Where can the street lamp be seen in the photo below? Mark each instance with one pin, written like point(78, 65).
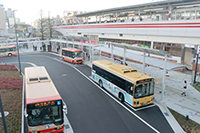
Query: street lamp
point(17, 41)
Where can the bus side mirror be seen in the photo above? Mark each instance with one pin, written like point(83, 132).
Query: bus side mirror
point(25, 114)
point(65, 108)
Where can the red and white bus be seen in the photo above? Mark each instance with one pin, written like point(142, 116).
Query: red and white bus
point(44, 106)
point(8, 51)
point(72, 55)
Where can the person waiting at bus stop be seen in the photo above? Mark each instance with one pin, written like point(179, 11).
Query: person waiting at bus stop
point(184, 88)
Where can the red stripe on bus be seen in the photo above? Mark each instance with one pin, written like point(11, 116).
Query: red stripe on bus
point(120, 90)
point(36, 100)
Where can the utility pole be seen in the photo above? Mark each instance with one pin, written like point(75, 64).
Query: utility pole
point(17, 41)
point(197, 60)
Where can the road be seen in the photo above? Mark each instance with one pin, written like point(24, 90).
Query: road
point(89, 108)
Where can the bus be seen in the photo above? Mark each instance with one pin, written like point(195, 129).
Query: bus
point(72, 55)
point(8, 51)
point(45, 108)
point(124, 82)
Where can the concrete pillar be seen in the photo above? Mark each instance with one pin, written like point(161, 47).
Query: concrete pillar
point(93, 53)
point(61, 46)
point(183, 53)
point(164, 75)
point(46, 46)
point(90, 51)
point(124, 56)
point(143, 66)
point(67, 43)
point(73, 43)
point(151, 44)
point(100, 51)
point(111, 51)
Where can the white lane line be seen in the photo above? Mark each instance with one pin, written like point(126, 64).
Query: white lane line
point(104, 92)
point(129, 104)
point(145, 107)
point(112, 97)
point(22, 128)
point(68, 127)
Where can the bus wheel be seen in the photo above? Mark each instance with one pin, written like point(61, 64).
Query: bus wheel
point(121, 97)
point(9, 54)
point(100, 84)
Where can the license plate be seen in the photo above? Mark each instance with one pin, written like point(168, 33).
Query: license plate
point(145, 104)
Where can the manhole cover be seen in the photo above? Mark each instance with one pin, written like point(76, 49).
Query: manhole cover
point(5, 113)
point(166, 114)
point(67, 126)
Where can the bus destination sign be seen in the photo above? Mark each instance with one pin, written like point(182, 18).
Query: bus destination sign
point(144, 81)
point(42, 104)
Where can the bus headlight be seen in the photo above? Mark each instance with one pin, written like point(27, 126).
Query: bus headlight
point(152, 98)
point(137, 102)
point(58, 128)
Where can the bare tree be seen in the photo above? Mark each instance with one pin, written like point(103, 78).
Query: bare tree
point(42, 24)
point(50, 30)
point(50, 26)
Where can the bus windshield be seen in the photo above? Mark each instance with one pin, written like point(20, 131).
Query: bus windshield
point(143, 90)
point(45, 115)
point(78, 54)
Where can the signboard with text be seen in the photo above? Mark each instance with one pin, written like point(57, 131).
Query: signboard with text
point(198, 50)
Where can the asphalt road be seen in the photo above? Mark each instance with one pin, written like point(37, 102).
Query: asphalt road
point(91, 110)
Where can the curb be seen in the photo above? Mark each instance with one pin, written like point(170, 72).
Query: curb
point(171, 120)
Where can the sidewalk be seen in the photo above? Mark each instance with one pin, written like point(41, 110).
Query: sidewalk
point(25, 50)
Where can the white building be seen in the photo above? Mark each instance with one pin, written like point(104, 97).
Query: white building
point(2, 19)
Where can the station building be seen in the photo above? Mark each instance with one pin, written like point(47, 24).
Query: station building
point(170, 25)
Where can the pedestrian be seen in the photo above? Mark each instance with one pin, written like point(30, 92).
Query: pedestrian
point(88, 57)
point(184, 88)
point(115, 59)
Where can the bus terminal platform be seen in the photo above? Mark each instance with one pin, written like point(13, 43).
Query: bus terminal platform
point(188, 105)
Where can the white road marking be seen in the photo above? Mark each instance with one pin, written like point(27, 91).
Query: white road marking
point(107, 94)
point(112, 97)
point(68, 128)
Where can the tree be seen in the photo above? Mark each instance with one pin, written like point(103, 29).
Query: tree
point(50, 30)
point(42, 24)
point(50, 26)
point(42, 27)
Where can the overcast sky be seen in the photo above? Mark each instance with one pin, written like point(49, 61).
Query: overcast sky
point(28, 10)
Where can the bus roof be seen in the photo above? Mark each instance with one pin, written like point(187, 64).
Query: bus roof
point(122, 70)
point(2, 47)
point(39, 86)
point(71, 49)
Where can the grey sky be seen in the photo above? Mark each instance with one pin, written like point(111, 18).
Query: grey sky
point(28, 11)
